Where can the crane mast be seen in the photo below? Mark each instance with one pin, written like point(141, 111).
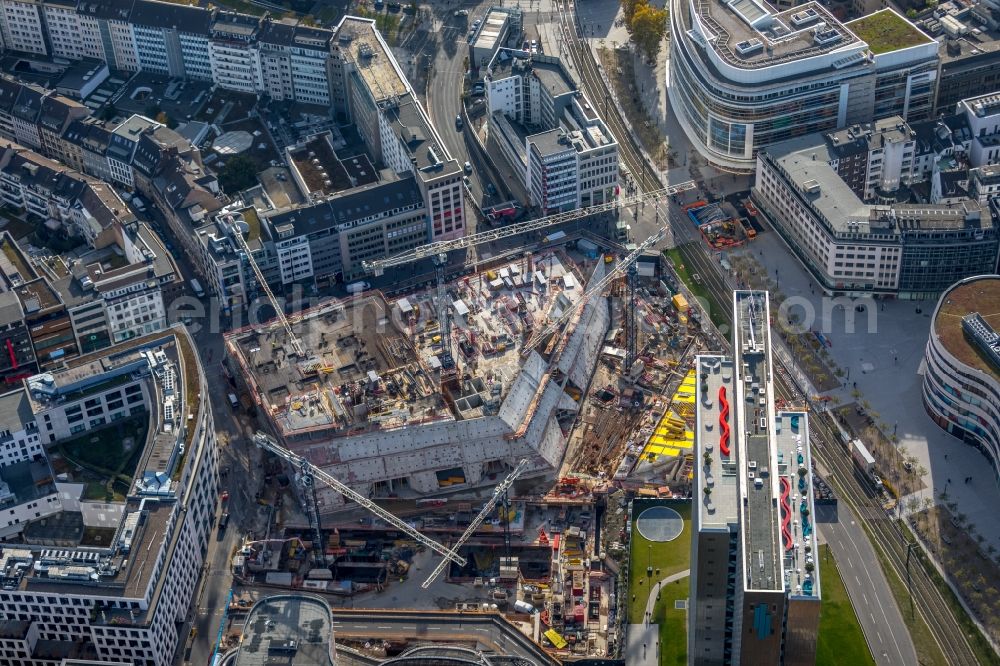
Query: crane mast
point(592, 290)
point(268, 443)
point(278, 309)
point(498, 495)
point(378, 266)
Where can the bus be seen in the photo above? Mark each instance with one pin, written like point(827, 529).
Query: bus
point(196, 288)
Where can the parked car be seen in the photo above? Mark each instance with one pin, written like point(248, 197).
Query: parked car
point(468, 167)
point(458, 122)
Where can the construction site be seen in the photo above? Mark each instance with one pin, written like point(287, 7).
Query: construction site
point(494, 427)
point(722, 225)
point(385, 392)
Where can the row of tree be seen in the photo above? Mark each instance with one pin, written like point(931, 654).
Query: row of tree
point(647, 24)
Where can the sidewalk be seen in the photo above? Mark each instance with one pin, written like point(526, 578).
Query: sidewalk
point(884, 358)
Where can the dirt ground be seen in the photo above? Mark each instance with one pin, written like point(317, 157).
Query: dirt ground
point(974, 569)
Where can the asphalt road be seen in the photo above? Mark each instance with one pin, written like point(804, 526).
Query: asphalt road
point(237, 457)
point(880, 617)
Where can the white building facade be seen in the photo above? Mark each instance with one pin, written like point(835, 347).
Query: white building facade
point(961, 387)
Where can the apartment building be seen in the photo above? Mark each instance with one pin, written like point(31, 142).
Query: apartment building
point(903, 249)
point(113, 293)
point(333, 237)
point(293, 62)
point(172, 39)
point(22, 25)
point(549, 132)
point(875, 158)
point(228, 275)
point(124, 601)
point(235, 63)
point(43, 187)
point(278, 58)
point(755, 584)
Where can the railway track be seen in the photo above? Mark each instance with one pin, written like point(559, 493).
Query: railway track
point(886, 533)
point(600, 96)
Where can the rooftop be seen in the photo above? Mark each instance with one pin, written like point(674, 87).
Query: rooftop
point(408, 120)
point(886, 31)
point(798, 536)
point(754, 408)
point(125, 567)
point(749, 34)
point(318, 166)
point(37, 296)
point(489, 30)
point(547, 69)
point(359, 42)
point(344, 208)
point(805, 161)
point(978, 294)
point(280, 187)
point(375, 364)
point(15, 410)
point(25, 481)
point(551, 142)
point(291, 630)
point(715, 374)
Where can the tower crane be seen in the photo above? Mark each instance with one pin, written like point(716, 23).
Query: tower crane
point(309, 470)
point(378, 266)
point(592, 290)
point(300, 351)
point(439, 250)
point(498, 494)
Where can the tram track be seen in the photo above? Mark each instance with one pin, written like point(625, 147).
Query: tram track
point(886, 533)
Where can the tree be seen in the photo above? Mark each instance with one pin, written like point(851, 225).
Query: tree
point(649, 26)
point(239, 173)
point(629, 8)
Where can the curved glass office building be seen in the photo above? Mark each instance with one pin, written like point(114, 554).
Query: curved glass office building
point(961, 388)
point(744, 76)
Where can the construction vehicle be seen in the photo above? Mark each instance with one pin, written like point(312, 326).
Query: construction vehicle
point(309, 471)
point(594, 289)
point(498, 494)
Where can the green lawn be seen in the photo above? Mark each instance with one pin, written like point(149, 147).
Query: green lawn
point(886, 31)
point(666, 558)
point(715, 311)
point(841, 640)
point(673, 623)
